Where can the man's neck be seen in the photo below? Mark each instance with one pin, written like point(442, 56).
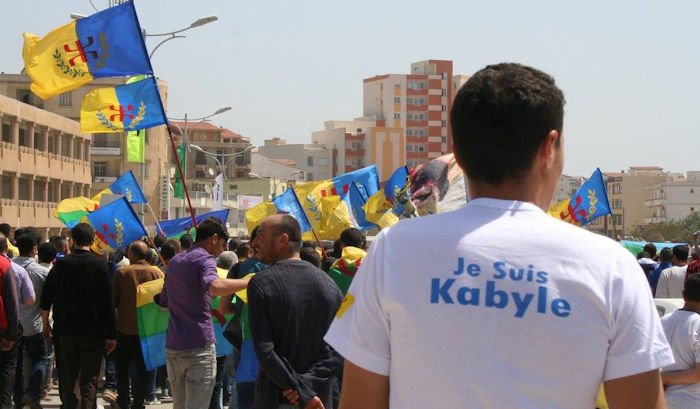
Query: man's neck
point(692, 306)
point(84, 248)
point(523, 190)
point(291, 256)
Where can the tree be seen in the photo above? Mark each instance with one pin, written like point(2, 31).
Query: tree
point(673, 231)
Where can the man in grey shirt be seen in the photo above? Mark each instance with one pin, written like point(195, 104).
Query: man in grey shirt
point(34, 349)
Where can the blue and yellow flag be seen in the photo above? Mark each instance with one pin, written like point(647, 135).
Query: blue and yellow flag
point(177, 227)
point(106, 44)
point(383, 208)
point(128, 186)
point(116, 226)
point(367, 181)
point(123, 108)
point(288, 202)
point(356, 203)
point(586, 205)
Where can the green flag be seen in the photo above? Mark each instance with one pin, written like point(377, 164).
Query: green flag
point(135, 146)
point(179, 187)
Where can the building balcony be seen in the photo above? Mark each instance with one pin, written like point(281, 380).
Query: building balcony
point(416, 155)
point(354, 152)
point(411, 91)
point(104, 179)
point(655, 202)
point(105, 151)
point(417, 123)
point(656, 219)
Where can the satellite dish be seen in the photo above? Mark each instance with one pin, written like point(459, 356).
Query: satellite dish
point(207, 188)
point(173, 172)
point(211, 171)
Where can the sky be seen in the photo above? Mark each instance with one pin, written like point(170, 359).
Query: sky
point(630, 70)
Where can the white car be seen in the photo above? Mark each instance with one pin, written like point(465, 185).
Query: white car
point(665, 306)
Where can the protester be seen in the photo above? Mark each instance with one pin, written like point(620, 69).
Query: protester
point(191, 282)
point(497, 304)
point(243, 252)
point(170, 249)
point(10, 330)
point(671, 281)
point(291, 305)
point(353, 243)
point(665, 261)
point(245, 364)
point(128, 353)
point(80, 292)
point(6, 230)
point(33, 347)
point(311, 255)
point(186, 241)
point(682, 328)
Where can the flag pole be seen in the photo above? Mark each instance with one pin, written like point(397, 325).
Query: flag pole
point(182, 175)
point(160, 256)
point(155, 218)
point(323, 250)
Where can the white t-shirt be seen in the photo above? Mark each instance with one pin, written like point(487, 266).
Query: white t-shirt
point(671, 282)
point(682, 329)
point(498, 305)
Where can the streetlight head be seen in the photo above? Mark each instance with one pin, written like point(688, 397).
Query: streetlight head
point(254, 175)
point(221, 110)
point(196, 147)
point(204, 20)
point(77, 16)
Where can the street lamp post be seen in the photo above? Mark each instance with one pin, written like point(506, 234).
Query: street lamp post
point(186, 140)
point(215, 156)
point(276, 181)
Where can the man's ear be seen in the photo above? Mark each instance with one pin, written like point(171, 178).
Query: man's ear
point(549, 147)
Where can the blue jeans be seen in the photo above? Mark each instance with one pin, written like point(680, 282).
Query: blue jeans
point(192, 375)
point(34, 357)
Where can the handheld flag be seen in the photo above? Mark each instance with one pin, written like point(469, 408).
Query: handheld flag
point(177, 227)
point(367, 181)
point(356, 207)
point(384, 207)
point(586, 205)
point(179, 188)
point(128, 186)
point(288, 202)
point(116, 225)
point(256, 214)
point(72, 211)
point(106, 44)
point(127, 107)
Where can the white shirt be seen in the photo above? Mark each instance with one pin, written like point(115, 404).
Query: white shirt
point(682, 329)
point(671, 282)
point(457, 318)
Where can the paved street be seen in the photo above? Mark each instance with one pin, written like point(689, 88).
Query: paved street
point(53, 402)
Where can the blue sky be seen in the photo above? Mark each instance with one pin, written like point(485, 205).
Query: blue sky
point(629, 69)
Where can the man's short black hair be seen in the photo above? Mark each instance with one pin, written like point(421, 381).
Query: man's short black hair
point(290, 226)
point(58, 241)
point(308, 243)
point(34, 232)
point(170, 248)
point(159, 240)
point(353, 237)
point(46, 252)
point(25, 244)
point(209, 227)
point(665, 255)
point(691, 288)
point(5, 229)
point(186, 241)
point(311, 255)
point(82, 234)
point(243, 251)
point(643, 254)
point(651, 249)
point(501, 116)
point(233, 244)
point(681, 252)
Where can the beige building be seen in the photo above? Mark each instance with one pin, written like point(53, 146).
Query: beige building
point(43, 159)
point(108, 159)
point(313, 159)
point(673, 199)
point(627, 193)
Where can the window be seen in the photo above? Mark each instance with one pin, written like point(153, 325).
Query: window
point(444, 124)
point(6, 137)
point(309, 176)
point(23, 140)
point(443, 139)
point(692, 209)
point(66, 99)
point(692, 191)
point(322, 161)
point(233, 187)
point(310, 161)
point(443, 92)
point(397, 100)
point(355, 145)
point(443, 108)
point(99, 169)
point(23, 95)
point(397, 85)
point(618, 188)
point(444, 75)
point(397, 115)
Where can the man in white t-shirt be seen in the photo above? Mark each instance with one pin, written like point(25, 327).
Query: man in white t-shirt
point(539, 322)
point(682, 329)
point(671, 280)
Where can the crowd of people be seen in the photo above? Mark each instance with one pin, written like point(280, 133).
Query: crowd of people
point(495, 305)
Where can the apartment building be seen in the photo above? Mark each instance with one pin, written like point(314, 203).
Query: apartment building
point(673, 199)
point(108, 157)
point(627, 196)
point(568, 185)
point(313, 159)
point(43, 159)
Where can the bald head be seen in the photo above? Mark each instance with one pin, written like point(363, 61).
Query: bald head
point(138, 251)
point(278, 238)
